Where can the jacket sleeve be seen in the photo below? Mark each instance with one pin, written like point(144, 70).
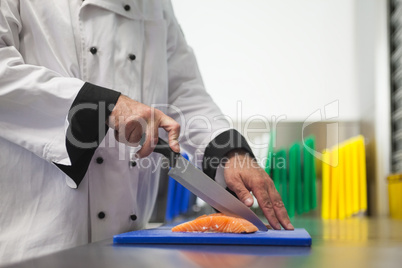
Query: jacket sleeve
point(202, 122)
point(38, 106)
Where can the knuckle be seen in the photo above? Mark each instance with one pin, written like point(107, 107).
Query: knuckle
point(176, 126)
point(155, 113)
point(267, 204)
point(279, 204)
point(146, 112)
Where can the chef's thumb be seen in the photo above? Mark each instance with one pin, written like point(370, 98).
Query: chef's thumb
point(244, 195)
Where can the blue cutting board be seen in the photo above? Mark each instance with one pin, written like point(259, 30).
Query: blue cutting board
point(164, 235)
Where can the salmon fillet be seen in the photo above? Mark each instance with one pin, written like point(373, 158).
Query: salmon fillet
point(216, 223)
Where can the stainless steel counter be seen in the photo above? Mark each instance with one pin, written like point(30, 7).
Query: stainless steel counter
point(357, 242)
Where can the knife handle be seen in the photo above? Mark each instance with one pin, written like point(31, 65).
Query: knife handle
point(162, 147)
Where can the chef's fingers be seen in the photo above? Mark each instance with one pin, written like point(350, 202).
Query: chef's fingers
point(279, 208)
point(237, 186)
point(260, 190)
point(151, 139)
point(173, 129)
point(120, 135)
point(159, 119)
point(130, 125)
point(133, 132)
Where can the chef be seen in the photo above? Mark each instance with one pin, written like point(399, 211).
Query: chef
point(86, 88)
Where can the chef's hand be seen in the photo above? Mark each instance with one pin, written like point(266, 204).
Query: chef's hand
point(130, 119)
point(242, 175)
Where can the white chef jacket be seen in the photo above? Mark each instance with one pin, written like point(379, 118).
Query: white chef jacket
point(46, 57)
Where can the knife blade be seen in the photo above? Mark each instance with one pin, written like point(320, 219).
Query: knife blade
point(204, 187)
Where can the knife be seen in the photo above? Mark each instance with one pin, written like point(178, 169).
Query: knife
point(204, 187)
